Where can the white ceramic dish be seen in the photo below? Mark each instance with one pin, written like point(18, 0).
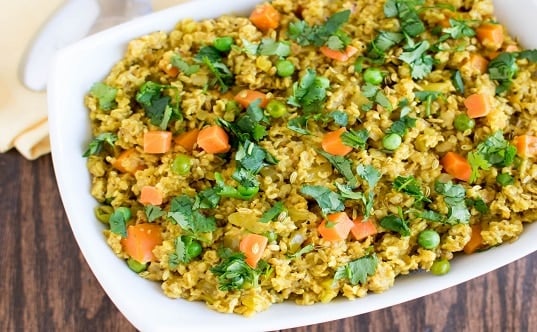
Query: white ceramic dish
point(76, 68)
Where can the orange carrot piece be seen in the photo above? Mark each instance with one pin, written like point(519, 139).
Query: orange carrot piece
point(246, 97)
point(457, 166)
point(188, 139)
point(333, 144)
point(339, 55)
point(335, 227)
point(165, 65)
point(128, 161)
point(265, 17)
point(479, 63)
point(253, 246)
point(213, 139)
point(150, 195)
point(476, 240)
point(141, 240)
point(363, 228)
point(477, 105)
point(490, 35)
point(526, 145)
point(157, 141)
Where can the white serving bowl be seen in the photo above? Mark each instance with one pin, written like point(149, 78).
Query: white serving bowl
point(78, 66)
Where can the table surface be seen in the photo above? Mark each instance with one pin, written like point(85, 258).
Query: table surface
point(47, 286)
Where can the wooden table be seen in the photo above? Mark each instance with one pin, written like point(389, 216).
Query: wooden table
point(45, 284)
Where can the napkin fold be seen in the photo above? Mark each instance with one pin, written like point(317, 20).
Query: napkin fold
point(23, 112)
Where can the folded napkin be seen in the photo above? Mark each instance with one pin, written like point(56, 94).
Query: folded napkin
point(23, 113)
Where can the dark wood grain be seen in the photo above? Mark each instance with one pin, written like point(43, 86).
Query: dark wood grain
point(45, 284)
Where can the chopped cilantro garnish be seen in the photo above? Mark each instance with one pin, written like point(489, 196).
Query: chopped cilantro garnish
point(310, 92)
point(357, 271)
point(183, 66)
point(495, 150)
point(206, 199)
point(406, 12)
point(371, 176)
point(383, 42)
point(396, 223)
point(234, 273)
point(342, 165)
point(157, 105)
point(105, 94)
point(421, 63)
point(97, 143)
point(401, 126)
point(409, 185)
point(327, 200)
point(459, 29)
point(212, 59)
point(355, 138)
point(302, 251)
point(428, 97)
point(454, 196)
point(503, 68)
point(118, 221)
point(268, 47)
point(329, 33)
point(153, 212)
point(186, 249)
point(183, 213)
point(458, 83)
point(375, 95)
point(272, 213)
point(340, 118)
point(248, 185)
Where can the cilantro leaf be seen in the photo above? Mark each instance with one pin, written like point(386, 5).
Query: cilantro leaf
point(302, 251)
point(248, 186)
point(376, 95)
point(406, 12)
point(459, 29)
point(118, 221)
point(105, 94)
point(454, 196)
point(183, 213)
point(183, 66)
point(342, 165)
point(272, 213)
point(421, 63)
point(395, 223)
point(153, 212)
point(530, 55)
point(355, 138)
point(410, 186)
point(327, 200)
point(428, 97)
point(495, 150)
point(503, 68)
point(233, 273)
point(206, 199)
point(458, 83)
point(156, 105)
point(328, 34)
point(384, 41)
point(357, 271)
point(340, 118)
point(186, 249)
point(299, 125)
point(401, 126)
point(310, 92)
point(97, 143)
point(271, 47)
point(371, 175)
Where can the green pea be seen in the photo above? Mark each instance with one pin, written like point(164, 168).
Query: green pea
point(271, 236)
point(392, 141)
point(505, 179)
point(285, 68)
point(181, 164)
point(440, 267)
point(103, 213)
point(194, 249)
point(276, 108)
point(429, 239)
point(373, 76)
point(136, 266)
point(223, 44)
point(463, 122)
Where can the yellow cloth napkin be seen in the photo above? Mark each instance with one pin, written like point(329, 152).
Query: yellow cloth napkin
point(23, 113)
